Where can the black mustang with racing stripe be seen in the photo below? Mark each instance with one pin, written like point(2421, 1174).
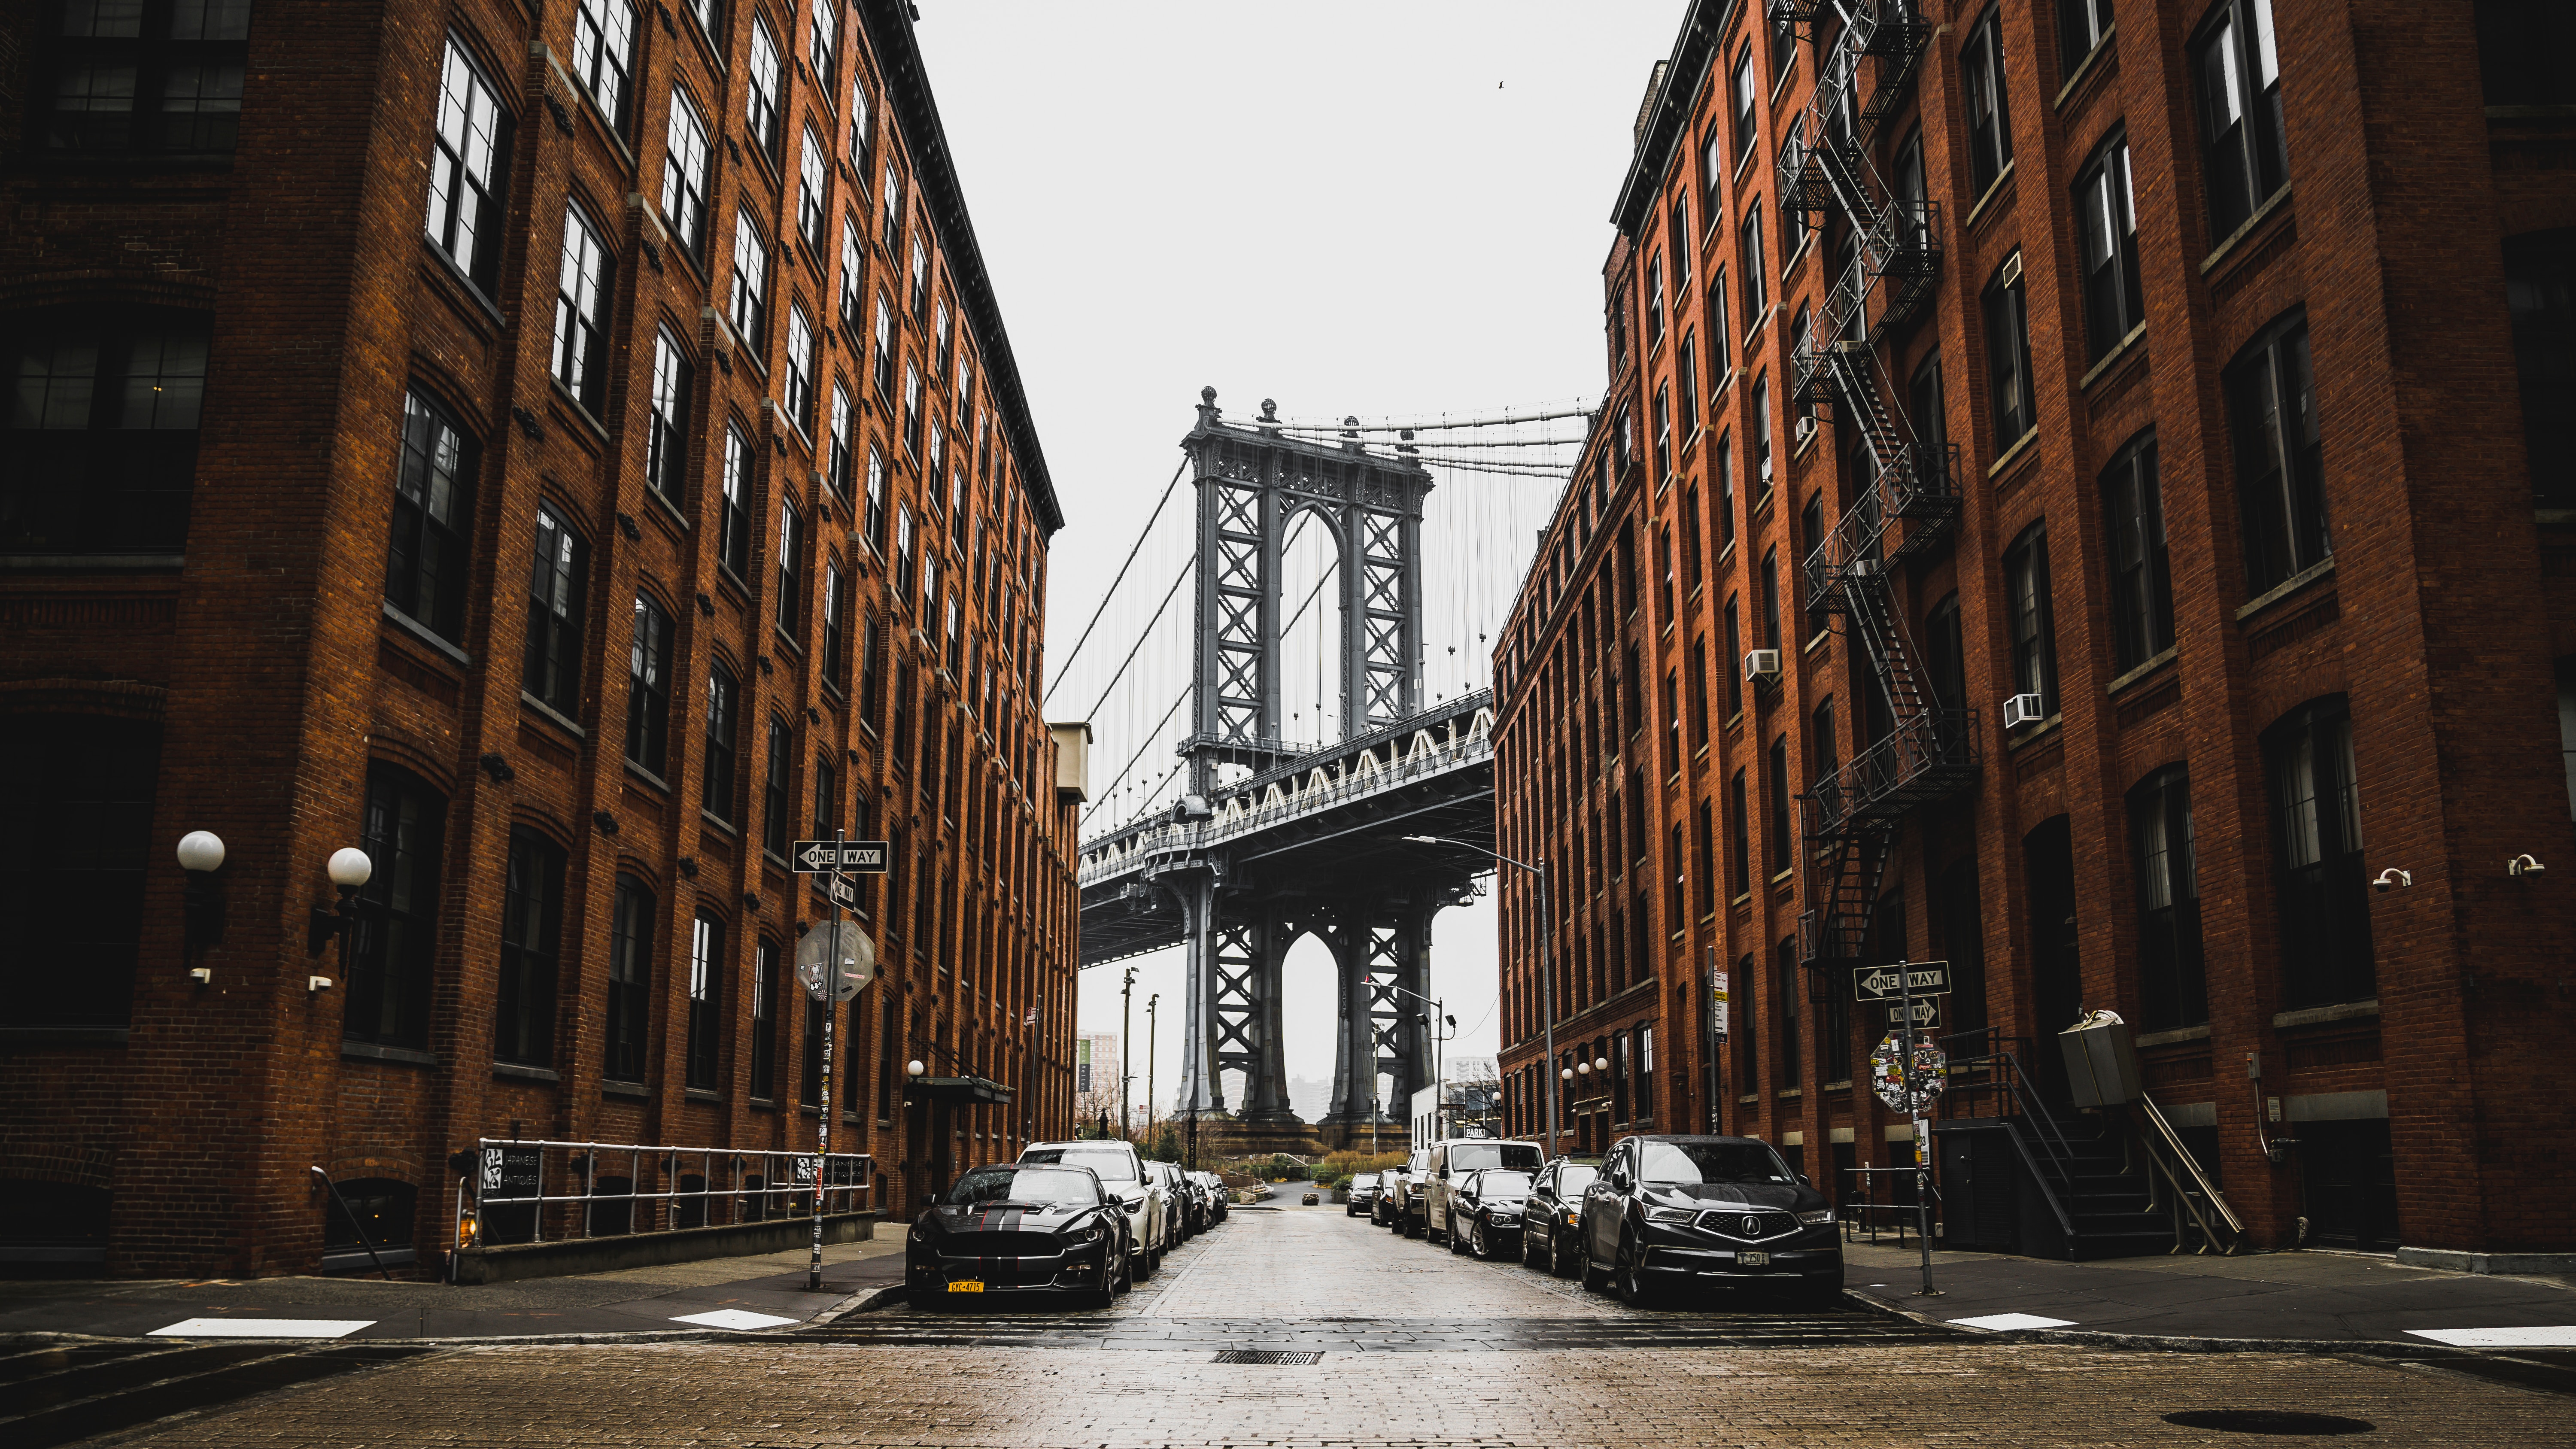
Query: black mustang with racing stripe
point(1015, 1228)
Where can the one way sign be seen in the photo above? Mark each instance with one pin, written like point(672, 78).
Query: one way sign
point(1878, 983)
point(868, 857)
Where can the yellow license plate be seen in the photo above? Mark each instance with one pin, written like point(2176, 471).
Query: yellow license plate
point(966, 1287)
point(1749, 1260)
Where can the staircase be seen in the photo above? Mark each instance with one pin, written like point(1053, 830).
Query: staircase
point(1909, 499)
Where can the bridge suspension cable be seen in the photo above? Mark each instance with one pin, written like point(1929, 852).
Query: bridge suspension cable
point(1112, 591)
point(1145, 633)
point(1576, 409)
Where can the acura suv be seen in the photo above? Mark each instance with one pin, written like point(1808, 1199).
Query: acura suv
point(1672, 1210)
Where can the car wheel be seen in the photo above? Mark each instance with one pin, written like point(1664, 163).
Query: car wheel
point(1126, 1280)
point(1561, 1261)
point(1477, 1246)
point(1630, 1276)
point(1595, 1278)
point(1457, 1239)
point(1530, 1250)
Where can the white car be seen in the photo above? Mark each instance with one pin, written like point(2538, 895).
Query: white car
point(1148, 1206)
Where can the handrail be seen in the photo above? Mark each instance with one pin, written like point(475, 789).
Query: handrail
point(2173, 1142)
point(2065, 1219)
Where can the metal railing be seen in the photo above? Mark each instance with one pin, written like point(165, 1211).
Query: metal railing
point(1985, 1067)
point(538, 1191)
point(1902, 1210)
point(2164, 1148)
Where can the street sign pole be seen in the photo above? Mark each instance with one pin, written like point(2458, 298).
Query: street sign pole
point(1922, 1129)
point(823, 1130)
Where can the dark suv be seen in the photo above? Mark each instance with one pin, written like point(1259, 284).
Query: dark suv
point(1554, 1212)
point(1668, 1210)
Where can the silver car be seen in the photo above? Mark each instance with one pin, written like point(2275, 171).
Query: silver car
point(1147, 1203)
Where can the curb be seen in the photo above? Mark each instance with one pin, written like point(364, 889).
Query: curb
point(2175, 1343)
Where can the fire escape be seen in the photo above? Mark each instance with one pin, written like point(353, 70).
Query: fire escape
point(1916, 749)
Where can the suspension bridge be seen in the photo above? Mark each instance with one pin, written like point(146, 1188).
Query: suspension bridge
point(1321, 696)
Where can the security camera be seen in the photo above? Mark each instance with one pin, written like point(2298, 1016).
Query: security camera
point(2523, 865)
point(2391, 878)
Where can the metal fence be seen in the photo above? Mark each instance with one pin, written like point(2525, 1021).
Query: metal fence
point(535, 1192)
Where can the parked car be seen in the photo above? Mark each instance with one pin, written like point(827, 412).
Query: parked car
point(1384, 1208)
point(1186, 1216)
point(1452, 1158)
point(1217, 1197)
point(1363, 1194)
point(1147, 1205)
point(1021, 1228)
point(1554, 1212)
point(1400, 1197)
point(1485, 1212)
point(1674, 1210)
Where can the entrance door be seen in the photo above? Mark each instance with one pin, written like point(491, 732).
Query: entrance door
point(2348, 1178)
point(2057, 975)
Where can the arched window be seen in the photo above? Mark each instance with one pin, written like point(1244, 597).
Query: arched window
point(2326, 951)
point(630, 981)
point(2034, 623)
point(363, 1212)
point(2280, 455)
point(531, 936)
point(426, 561)
point(716, 793)
point(395, 943)
point(2540, 295)
point(2173, 988)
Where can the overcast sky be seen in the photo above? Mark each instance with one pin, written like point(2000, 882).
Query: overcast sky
point(1384, 209)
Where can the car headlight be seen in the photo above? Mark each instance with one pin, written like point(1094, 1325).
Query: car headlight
point(1816, 1219)
point(1670, 1215)
point(1573, 1219)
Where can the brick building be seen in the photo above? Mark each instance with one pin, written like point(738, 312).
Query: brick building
point(2142, 441)
point(568, 452)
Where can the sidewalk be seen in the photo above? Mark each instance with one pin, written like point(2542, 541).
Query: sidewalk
point(764, 1291)
point(2309, 1297)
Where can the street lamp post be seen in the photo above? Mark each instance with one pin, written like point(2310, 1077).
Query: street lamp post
point(1546, 977)
point(1440, 1083)
point(1151, 1004)
point(1126, 1052)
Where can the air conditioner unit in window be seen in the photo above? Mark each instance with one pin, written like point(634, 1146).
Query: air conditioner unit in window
point(1864, 568)
point(2022, 709)
point(1761, 664)
point(1805, 429)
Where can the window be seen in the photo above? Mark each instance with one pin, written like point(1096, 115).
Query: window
point(1747, 95)
point(531, 938)
point(1761, 404)
point(582, 295)
point(943, 332)
point(1771, 598)
point(1663, 436)
point(2521, 50)
point(1703, 862)
point(1781, 854)
point(885, 347)
point(1741, 1031)
point(1686, 383)
point(2108, 223)
point(819, 42)
point(101, 445)
point(791, 593)
point(425, 563)
point(557, 578)
point(1734, 660)
point(467, 196)
point(2081, 25)
point(2034, 631)
point(1694, 552)
point(1945, 648)
point(2008, 355)
point(666, 441)
point(890, 210)
point(1931, 424)
point(2326, 953)
point(1749, 261)
point(1811, 539)
point(1793, 236)
point(715, 794)
point(1655, 303)
point(813, 193)
point(76, 840)
point(2280, 459)
point(1989, 114)
point(854, 275)
point(1824, 757)
point(1718, 335)
point(833, 671)
point(708, 13)
point(912, 416)
point(648, 686)
point(2173, 990)
point(876, 522)
point(2245, 156)
point(1739, 866)
point(827, 803)
point(799, 401)
point(919, 290)
point(871, 670)
point(766, 984)
point(1712, 177)
point(2540, 296)
point(630, 982)
point(1783, 47)
point(1699, 693)
point(760, 98)
point(126, 76)
point(393, 946)
point(747, 296)
point(603, 54)
point(684, 175)
point(902, 580)
point(733, 525)
point(938, 456)
point(1786, 988)
point(1722, 467)
point(774, 821)
point(837, 460)
point(706, 969)
point(2141, 580)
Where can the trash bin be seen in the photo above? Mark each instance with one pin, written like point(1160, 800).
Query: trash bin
point(2101, 1060)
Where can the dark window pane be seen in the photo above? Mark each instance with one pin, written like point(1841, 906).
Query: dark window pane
point(75, 839)
point(393, 947)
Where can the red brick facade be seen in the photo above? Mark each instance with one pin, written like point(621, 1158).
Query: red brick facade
point(2438, 621)
point(266, 654)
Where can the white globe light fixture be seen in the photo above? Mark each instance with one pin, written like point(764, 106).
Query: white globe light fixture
point(914, 1067)
point(1567, 1074)
point(350, 868)
point(1584, 1067)
point(201, 851)
point(1601, 1064)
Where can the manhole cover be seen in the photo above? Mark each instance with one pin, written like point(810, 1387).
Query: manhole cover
point(2269, 1421)
point(1266, 1355)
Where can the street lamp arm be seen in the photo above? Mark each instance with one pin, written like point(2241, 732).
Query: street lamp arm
point(1538, 870)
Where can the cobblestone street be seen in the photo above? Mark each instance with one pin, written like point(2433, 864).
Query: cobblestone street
point(1540, 1364)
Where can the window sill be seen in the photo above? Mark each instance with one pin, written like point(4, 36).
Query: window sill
point(2012, 454)
point(2033, 734)
point(709, 817)
point(648, 777)
point(631, 1091)
point(764, 1104)
point(2118, 351)
point(671, 508)
point(2322, 568)
point(422, 632)
point(2101, 48)
point(1790, 1094)
point(367, 1051)
point(2251, 224)
point(2319, 1015)
point(1842, 1086)
point(1816, 641)
point(490, 309)
point(517, 1073)
point(1748, 1099)
point(2142, 671)
point(547, 712)
point(579, 408)
point(1993, 189)
point(2168, 1038)
point(701, 1094)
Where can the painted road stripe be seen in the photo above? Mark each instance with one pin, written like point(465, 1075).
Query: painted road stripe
point(2559, 1336)
point(1998, 1322)
point(263, 1328)
point(735, 1318)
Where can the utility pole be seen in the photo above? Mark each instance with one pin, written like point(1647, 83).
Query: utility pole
point(1546, 975)
point(1151, 1002)
point(1126, 1052)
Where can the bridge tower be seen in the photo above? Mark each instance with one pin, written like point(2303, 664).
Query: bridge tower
point(1238, 923)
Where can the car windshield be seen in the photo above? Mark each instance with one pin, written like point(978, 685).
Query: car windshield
point(1113, 1164)
point(1468, 1156)
point(1688, 1162)
point(1572, 1180)
point(1067, 1186)
point(1364, 1179)
point(1503, 1184)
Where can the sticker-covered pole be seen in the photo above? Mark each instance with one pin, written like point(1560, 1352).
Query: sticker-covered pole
point(1917, 1097)
point(827, 988)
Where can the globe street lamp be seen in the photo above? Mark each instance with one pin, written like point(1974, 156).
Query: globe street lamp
point(1546, 977)
point(201, 854)
point(349, 870)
